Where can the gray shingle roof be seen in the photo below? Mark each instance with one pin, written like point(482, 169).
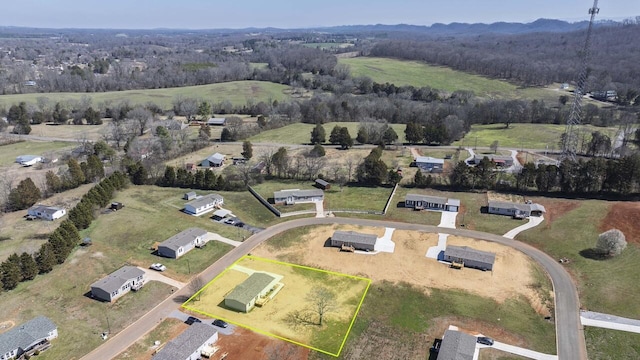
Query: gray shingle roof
point(250, 288)
point(457, 345)
point(429, 199)
point(468, 253)
point(354, 237)
point(322, 182)
point(429, 160)
point(512, 205)
point(186, 343)
point(216, 158)
point(45, 209)
point(298, 193)
point(26, 334)
point(116, 279)
point(207, 199)
point(183, 238)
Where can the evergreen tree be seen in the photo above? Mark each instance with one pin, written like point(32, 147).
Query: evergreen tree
point(209, 180)
point(334, 137)
point(24, 195)
point(45, 258)
point(414, 133)
point(393, 177)
point(247, 150)
point(318, 135)
point(76, 175)
point(11, 274)
point(54, 184)
point(28, 266)
point(198, 180)
point(390, 136)
point(169, 178)
point(345, 139)
point(60, 114)
point(317, 151)
point(363, 135)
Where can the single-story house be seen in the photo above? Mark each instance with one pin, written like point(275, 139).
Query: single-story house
point(46, 212)
point(189, 344)
point(420, 202)
point(34, 335)
point(181, 243)
point(500, 160)
point(457, 345)
point(322, 184)
point(514, 209)
point(238, 160)
point(215, 160)
point(293, 196)
point(221, 214)
point(429, 164)
point(471, 258)
point(118, 283)
point(29, 160)
point(190, 195)
point(359, 241)
point(215, 121)
point(203, 205)
point(243, 297)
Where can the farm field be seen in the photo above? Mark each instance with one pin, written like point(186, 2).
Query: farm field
point(237, 92)
point(275, 317)
point(527, 136)
point(9, 152)
point(418, 74)
point(300, 133)
point(422, 306)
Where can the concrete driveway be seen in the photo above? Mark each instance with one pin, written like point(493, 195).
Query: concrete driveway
point(448, 219)
point(595, 319)
point(519, 351)
point(157, 276)
point(533, 222)
point(215, 237)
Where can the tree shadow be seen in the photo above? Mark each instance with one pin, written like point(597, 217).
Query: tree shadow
point(592, 254)
point(180, 299)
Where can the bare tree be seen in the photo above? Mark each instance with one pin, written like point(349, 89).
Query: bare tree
point(611, 243)
point(195, 286)
point(322, 301)
point(352, 164)
point(141, 117)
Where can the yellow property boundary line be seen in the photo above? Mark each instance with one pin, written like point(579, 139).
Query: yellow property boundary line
point(353, 319)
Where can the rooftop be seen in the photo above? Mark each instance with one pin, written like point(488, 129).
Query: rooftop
point(183, 238)
point(23, 335)
point(518, 206)
point(205, 200)
point(429, 159)
point(354, 237)
point(216, 158)
point(468, 253)
point(115, 280)
point(250, 288)
point(45, 209)
point(457, 345)
point(322, 182)
point(297, 193)
point(426, 198)
point(186, 343)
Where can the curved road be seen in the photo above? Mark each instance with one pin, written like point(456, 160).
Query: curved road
point(569, 333)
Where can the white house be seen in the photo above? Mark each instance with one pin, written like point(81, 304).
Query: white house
point(189, 344)
point(203, 205)
point(215, 160)
point(34, 335)
point(28, 160)
point(430, 164)
point(46, 212)
point(118, 283)
point(181, 243)
point(514, 209)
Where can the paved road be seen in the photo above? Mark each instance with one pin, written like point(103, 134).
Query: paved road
point(569, 333)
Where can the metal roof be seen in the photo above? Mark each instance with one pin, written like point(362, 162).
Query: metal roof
point(250, 288)
point(354, 237)
point(186, 343)
point(517, 206)
point(183, 238)
point(205, 200)
point(45, 209)
point(429, 160)
point(322, 182)
point(216, 121)
point(26, 334)
point(297, 193)
point(25, 158)
point(216, 158)
point(467, 253)
point(457, 345)
point(454, 202)
point(221, 213)
point(115, 280)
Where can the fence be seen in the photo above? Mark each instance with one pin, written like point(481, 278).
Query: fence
point(264, 202)
point(386, 207)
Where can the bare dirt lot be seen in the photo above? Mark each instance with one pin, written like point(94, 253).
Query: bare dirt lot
point(272, 318)
point(246, 344)
point(623, 216)
point(511, 276)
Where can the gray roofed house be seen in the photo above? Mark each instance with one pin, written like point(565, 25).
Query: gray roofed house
point(517, 210)
point(429, 164)
point(296, 196)
point(243, 297)
point(190, 195)
point(215, 160)
point(457, 345)
point(203, 205)
point(182, 243)
point(26, 337)
point(28, 160)
point(217, 121)
point(118, 283)
point(419, 202)
point(189, 344)
point(470, 257)
point(360, 241)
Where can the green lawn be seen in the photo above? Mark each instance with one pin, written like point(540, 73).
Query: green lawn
point(605, 344)
point(527, 136)
point(8, 153)
point(418, 74)
point(300, 133)
point(238, 92)
point(356, 198)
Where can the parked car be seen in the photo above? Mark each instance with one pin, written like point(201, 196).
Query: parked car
point(158, 267)
point(239, 224)
point(229, 221)
point(191, 320)
point(485, 340)
point(220, 323)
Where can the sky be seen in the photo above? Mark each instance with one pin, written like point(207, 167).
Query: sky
point(216, 14)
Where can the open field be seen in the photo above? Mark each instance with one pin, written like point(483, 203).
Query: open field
point(8, 153)
point(144, 348)
point(412, 296)
point(237, 92)
point(300, 133)
point(604, 344)
point(273, 317)
point(418, 74)
point(527, 136)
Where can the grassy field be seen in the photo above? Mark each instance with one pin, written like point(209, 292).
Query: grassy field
point(8, 153)
point(527, 136)
point(605, 344)
point(238, 92)
point(356, 198)
point(300, 133)
point(418, 74)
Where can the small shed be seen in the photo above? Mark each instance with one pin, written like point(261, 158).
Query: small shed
point(366, 242)
point(190, 195)
point(322, 184)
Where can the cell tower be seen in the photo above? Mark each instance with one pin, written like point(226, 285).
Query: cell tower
point(570, 141)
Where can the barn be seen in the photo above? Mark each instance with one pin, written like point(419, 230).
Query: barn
point(359, 241)
point(471, 258)
point(244, 296)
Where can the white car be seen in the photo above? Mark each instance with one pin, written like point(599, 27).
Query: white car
point(229, 221)
point(158, 267)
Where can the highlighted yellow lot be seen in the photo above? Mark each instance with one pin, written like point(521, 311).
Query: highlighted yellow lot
point(309, 307)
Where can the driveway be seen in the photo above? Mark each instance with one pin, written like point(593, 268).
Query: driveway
point(590, 318)
point(533, 222)
point(215, 237)
point(319, 209)
point(519, 351)
point(157, 276)
point(448, 219)
point(177, 314)
point(384, 243)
